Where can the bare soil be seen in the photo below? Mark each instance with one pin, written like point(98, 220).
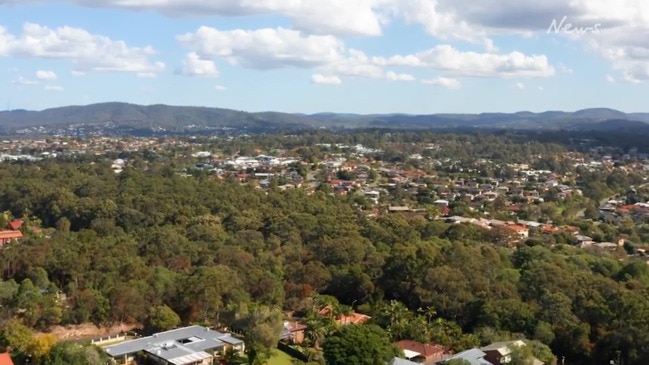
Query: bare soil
point(87, 331)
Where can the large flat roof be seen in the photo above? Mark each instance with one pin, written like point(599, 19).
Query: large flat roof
point(175, 344)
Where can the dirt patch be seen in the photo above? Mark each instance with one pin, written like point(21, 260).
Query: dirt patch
point(87, 331)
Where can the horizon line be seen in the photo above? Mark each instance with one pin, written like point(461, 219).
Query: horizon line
point(315, 113)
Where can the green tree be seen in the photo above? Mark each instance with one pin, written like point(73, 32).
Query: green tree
point(359, 345)
point(72, 353)
point(161, 318)
point(521, 355)
point(18, 337)
point(263, 327)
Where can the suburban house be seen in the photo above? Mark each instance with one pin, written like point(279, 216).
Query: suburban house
point(472, 356)
point(345, 319)
point(498, 353)
point(9, 236)
point(522, 231)
point(14, 233)
point(5, 359)
point(194, 345)
point(293, 332)
point(420, 352)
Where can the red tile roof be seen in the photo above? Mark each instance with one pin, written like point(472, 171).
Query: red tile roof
point(15, 224)
point(5, 359)
point(517, 227)
point(10, 235)
point(429, 351)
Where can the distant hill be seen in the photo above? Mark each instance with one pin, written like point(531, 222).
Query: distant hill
point(183, 118)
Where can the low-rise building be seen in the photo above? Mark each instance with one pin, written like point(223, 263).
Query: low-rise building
point(194, 345)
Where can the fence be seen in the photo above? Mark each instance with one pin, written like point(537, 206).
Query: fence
point(292, 352)
point(108, 339)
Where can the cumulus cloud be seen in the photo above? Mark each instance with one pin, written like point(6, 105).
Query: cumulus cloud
point(88, 52)
point(622, 38)
point(520, 85)
point(354, 63)
point(446, 82)
point(265, 49)
point(194, 65)
point(393, 76)
point(45, 75)
point(461, 63)
point(220, 88)
point(344, 17)
point(618, 34)
point(322, 79)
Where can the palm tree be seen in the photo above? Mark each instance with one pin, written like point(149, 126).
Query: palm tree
point(428, 312)
point(339, 313)
point(395, 316)
point(317, 328)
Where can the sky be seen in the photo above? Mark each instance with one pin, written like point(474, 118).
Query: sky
point(308, 56)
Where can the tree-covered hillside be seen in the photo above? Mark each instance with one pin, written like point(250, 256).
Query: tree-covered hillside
point(121, 244)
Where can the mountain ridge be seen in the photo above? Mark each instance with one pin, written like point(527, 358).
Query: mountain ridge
point(176, 118)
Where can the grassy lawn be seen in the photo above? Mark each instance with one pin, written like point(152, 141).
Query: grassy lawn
point(280, 358)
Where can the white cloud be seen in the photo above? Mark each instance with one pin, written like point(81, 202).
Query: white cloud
point(263, 48)
point(623, 37)
point(446, 82)
point(53, 88)
point(540, 88)
point(322, 79)
point(88, 52)
point(619, 33)
point(45, 75)
point(610, 78)
point(460, 63)
point(520, 85)
point(266, 49)
point(194, 65)
point(343, 17)
point(354, 63)
point(392, 76)
point(220, 88)
point(77, 73)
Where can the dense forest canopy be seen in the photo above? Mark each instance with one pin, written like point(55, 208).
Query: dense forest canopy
point(153, 247)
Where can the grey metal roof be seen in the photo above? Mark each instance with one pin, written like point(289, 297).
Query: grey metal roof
point(178, 354)
point(503, 345)
point(181, 341)
point(473, 356)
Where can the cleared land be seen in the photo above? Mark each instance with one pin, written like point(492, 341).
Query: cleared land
point(87, 331)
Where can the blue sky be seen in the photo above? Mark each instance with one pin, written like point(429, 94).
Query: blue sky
point(360, 56)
